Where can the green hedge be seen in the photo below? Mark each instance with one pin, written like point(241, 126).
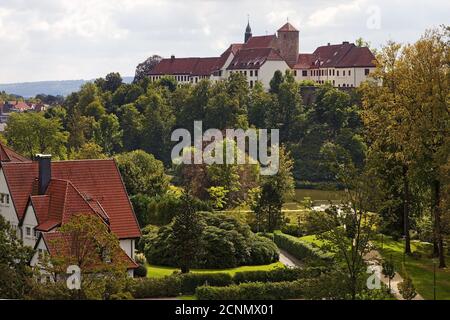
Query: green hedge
point(169, 286)
point(190, 281)
point(276, 275)
point(253, 291)
point(300, 249)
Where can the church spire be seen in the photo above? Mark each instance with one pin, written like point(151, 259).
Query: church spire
point(248, 30)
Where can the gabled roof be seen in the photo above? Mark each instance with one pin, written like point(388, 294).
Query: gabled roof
point(260, 42)
point(304, 61)
point(287, 27)
point(59, 244)
point(7, 154)
point(84, 185)
point(343, 55)
point(185, 66)
point(253, 58)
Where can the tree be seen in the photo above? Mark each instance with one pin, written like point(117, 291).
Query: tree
point(276, 81)
point(407, 289)
point(31, 133)
point(187, 234)
point(89, 150)
point(388, 271)
point(108, 133)
point(131, 122)
point(86, 241)
point(142, 173)
point(15, 273)
point(143, 69)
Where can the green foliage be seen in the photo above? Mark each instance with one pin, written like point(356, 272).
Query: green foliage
point(156, 287)
point(190, 281)
point(140, 272)
point(407, 289)
point(15, 273)
point(276, 275)
point(31, 133)
point(142, 173)
point(253, 291)
point(225, 243)
point(300, 249)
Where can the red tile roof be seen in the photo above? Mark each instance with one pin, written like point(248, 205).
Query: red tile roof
point(76, 186)
point(59, 244)
point(7, 154)
point(253, 58)
point(343, 55)
point(305, 61)
point(260, 42)
point(287, 27)
point(185, 66)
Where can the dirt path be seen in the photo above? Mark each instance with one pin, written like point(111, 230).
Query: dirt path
point(374, 258)
point(288, 260)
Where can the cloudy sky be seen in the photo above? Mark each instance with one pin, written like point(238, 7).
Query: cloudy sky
point(84, 39)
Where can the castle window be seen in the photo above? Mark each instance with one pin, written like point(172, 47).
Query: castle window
point(337, 73)
point(349, 72)
point(28, 231)
point(295, 73)
point(251, 83)
point(256, 73)
point(304, 73)
point(343, 73)
point(366, 72)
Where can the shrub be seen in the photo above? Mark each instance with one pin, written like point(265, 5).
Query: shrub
point(140, 272)
point(157, 287)
point(300, 249)
point(253, 291)
point(292, 230)
point(407, 289)
point(190, 281)
point(226, 243)
point(276, 275)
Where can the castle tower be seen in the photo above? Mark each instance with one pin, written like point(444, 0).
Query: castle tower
point(248, 32)
point(288, 43)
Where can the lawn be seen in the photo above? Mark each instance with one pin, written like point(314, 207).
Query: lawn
point(312, 239)
point(318, 195)
point(159, 271)
point(420, 268)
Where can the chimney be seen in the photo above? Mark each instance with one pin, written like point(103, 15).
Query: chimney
point(345, 42)
point(45, 171)
point(172, 57)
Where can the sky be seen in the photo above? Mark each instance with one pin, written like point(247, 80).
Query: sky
point(85, 39)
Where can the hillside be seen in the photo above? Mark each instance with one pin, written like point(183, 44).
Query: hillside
point(31, 89)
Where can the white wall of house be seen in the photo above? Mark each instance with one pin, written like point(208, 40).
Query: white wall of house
point(29, 224)
point(267, 70)
point(128, 245)
point(7, 209)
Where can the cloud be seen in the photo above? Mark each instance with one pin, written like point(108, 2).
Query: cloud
point(72, 39)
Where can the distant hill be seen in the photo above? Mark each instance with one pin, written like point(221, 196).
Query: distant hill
point(54, 88)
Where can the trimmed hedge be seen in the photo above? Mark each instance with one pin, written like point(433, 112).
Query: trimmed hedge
point(169, 286)
point(253, 291)
point(177, 284)
point(300, 249)
point(190, 281)
point(276, 275)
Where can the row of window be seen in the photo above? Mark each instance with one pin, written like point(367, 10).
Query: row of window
point(29, 230)
point(253, 73)
point(328, 72)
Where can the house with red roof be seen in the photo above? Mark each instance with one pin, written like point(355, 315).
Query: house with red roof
point(37, 197)
point(259, 57)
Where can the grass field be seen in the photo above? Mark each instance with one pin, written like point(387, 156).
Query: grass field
point(159, 271)
point(419, 268)
point(317, 195)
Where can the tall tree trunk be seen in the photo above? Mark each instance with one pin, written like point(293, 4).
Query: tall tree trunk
point(436, 192)
point(406, 206)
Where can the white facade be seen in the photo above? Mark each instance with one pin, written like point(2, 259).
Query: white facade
point(29, 223)
point(268, 69)
point(128, 245)
point(338, 77)
point(7, 209)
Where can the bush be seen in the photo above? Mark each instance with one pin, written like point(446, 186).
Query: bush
point(292, 230)
point(276, 275)
point(253, 291)
point(300, 249)
point(140, 272)
point(226, 243)
point(190, 281)
point(157, 287)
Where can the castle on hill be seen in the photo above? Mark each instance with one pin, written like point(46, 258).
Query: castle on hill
point(259, 57)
